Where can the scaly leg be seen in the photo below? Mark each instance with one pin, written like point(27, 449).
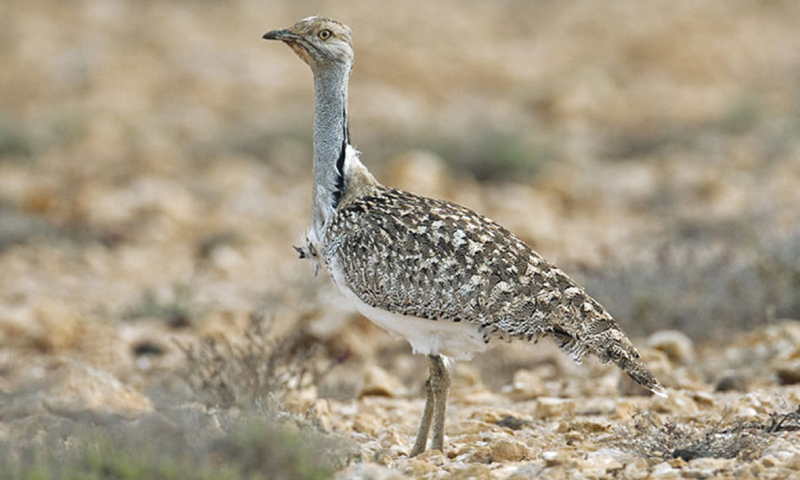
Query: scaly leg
point(425, 423)
point(440, 384)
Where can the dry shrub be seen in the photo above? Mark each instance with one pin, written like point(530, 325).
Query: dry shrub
point(255, 370)
point(786, 422)
point(244, 435)
point(171, 446)
point(658, 441)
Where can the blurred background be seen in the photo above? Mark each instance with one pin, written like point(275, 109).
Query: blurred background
point(155, 169)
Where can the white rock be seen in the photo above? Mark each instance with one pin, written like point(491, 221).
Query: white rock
point(678, 347)
point(664, 470)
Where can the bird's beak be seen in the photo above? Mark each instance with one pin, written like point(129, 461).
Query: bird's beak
point(282, 35)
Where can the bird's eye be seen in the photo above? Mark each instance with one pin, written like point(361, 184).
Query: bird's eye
point(325, 34)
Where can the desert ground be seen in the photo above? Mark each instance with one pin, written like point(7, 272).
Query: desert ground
point(155, 172)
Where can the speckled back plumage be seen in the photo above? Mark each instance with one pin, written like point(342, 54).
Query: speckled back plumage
point(432, 259)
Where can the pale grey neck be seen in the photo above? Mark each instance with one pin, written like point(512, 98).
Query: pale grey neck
point(330, 139)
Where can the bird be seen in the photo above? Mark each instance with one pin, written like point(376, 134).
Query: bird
point(445, 278)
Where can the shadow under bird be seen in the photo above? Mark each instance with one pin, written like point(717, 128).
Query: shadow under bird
point(447, 279)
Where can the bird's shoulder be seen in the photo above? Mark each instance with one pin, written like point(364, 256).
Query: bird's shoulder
point(407, 222)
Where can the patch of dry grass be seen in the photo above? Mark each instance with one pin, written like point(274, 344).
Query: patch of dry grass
point(171, 445)
point(658, 441)
point(241, 431)
point(252, 371)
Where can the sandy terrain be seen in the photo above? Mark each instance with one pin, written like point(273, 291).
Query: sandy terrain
point(155, 173)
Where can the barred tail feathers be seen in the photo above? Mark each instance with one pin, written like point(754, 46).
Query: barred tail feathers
point(595, 331)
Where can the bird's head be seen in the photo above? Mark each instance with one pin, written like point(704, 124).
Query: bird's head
point(321, 42)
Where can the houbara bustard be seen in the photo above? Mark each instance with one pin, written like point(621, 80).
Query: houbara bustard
point(444, 277)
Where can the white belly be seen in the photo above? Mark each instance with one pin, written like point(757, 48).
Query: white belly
point(455, 340)
point(459, 341)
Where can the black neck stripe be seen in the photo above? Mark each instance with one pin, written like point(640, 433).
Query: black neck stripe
point(339, 187)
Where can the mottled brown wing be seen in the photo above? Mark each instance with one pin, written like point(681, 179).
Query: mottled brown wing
point(432, 259)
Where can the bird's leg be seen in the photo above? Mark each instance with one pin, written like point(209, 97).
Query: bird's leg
point(440, 384)
point(425, 423)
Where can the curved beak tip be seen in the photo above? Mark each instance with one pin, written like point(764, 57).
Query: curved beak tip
point(275, 35)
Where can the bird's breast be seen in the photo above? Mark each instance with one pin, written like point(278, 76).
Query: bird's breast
point(456, 340)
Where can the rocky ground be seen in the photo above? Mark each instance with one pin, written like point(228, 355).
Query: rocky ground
point(155, 172)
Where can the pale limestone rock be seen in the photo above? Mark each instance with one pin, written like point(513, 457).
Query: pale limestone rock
point(559, 458)
point(471, 426)
point(548, 407)
point(369, 471)
point(49, 325)
point(761, 403)
point(609, 455)
point(793, 462)
point(634, 471)
point(366, 423)
point(665, 470)
point(707, 467)
point(769, 461)
point(747, 412)
point(525, 385)
point(606, 385)
point(702, 398)
point(434, 457)
point(505, 450)
point(472, 472)
point(757, 470)
point(625, 409)
point(467, 440)
point(783, 449)
point(528, 471)
point(678, 402)
point(385, 457)
point(477, 453)
point(390, 437)
point(583, 426)
point(426, 464)
point(76, 386)
point(379, 382)
point(677, 345)
point(491, 415)
point(599, 466)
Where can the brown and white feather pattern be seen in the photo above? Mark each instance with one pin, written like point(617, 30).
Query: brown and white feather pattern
point(429, 259)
